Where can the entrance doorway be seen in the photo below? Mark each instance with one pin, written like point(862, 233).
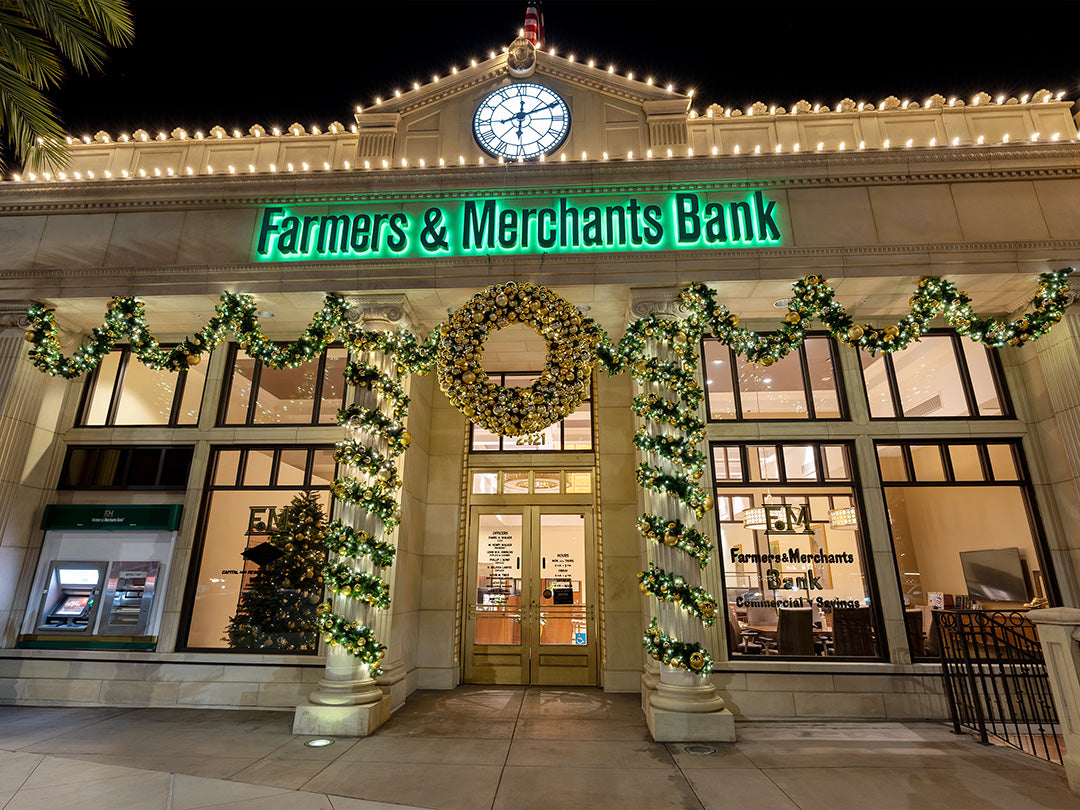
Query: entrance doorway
point(530, 596)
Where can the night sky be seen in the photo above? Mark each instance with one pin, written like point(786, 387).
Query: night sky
point(197, 64)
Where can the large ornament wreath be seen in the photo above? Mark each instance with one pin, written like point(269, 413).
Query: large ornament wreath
point(659, 352)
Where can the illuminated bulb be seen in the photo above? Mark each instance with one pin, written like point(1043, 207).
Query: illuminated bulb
point(592, 63)
point(304, 166)
point(1060, 94)
point(232, 170)
point(461, 160)
point(1005, 138)
point(1001, 99)
point(505, 49)
point(491, 55)
point(551, 51)
point(108, 175)
point(397, 93)
point(416, 85)
point(563, 157)
point(716, 150)
point(453, 70)
point(904, 106)
point(198, 135)
point(188, 169)
point(778, 147)
point(862, 144)
point(603, 155)
point(421, 163)
point(796, 147)
point(708, 113)
point(404, 163)
point(347, 166)
point(736, 150)
point(326, 166)
point(358, 108)
point(441, 163)
point(378, 100)
point(62, 176)
point(480, 162)
point(979, 140)
point(142, 173)
point(209, 169)
point(630, 155)
point(542, 158)
point(48, 176)
point(367, 164)
point(689, 152)
point(933, 141)
point(157, 172)
point(78, 175)
point(70, 140)
point(910, 141)
point(670, 87)
point(821, 145)
point(16, 178)
point(168, 171)
point(887, 143)
point(585, 156)
point(124, 137)
point(648, 81)
point(276, 131)
point(314, 129)
point(1055, 136)
point(33, 176)
point(289, 166)
point(1024, 98)
point(273, 167)
point(611, 69)
point(472, 63)
point(843, 145)
point(519, 160)
point(1034, 136)
point(123, 173)
point(630, 75)
point(352, 127)
point(216, 135)
point(669, 153)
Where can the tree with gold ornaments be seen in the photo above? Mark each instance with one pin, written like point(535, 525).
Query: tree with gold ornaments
point(278, 609)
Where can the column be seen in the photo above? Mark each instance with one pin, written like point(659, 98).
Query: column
point(680, 705)
point(1059, 635)
point(31, 408)
point(348, 701)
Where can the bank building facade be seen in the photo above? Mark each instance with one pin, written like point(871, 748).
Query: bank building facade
point(577, 380)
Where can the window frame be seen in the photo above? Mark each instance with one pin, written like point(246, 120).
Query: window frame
point(784, 487)
point(1022, 482)
point(808, 391)
point(590, 401)
point(187, 607)
point(256, 378)
point(127, 357)
point(163, 451)
point(997, 375)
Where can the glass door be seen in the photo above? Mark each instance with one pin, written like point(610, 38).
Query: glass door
point(530, 615)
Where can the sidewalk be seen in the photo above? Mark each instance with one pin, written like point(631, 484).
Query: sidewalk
point(505, 748)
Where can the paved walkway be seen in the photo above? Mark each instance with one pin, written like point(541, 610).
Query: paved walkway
point(477, 748)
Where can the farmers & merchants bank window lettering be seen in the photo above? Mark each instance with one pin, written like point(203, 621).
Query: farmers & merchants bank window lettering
point(796, 576)
point(584, 222)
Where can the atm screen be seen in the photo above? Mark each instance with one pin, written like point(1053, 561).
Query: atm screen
point(73, 606)
point(78, 576)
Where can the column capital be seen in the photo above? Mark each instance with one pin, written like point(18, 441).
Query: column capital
point(661, 300)
point(389, 311)
point(13, 314)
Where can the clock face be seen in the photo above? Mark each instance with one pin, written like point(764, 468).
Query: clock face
point(521, 121)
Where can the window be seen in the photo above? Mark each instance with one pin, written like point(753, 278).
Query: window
point(122, 391)
point(115, 468)
point(532, 482)
point(247, 487)
point(308, 395)
point(572, 433)
point(803, 385)
point(939, 376)
point(963, 528)
point(796, 575)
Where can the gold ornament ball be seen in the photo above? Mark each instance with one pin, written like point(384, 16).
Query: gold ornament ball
point(708, 608)
point(670, 539)
point(708, 502)
point(697, 661)
point(194, 359)
point(792, 317)
point(855, 332)
point(892, 330)
point(29, 335)
point(468, 378)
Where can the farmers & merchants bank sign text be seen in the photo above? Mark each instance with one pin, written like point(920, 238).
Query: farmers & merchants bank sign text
point(470, 226)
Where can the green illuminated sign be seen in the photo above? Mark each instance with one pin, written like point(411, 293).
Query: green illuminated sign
point(496, 225)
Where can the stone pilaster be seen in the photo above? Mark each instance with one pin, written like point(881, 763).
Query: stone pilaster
point(31, 407)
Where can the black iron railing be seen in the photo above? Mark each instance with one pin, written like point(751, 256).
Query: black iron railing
point(995, 679)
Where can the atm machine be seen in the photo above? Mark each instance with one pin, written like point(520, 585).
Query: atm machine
point(99, 576)
point(71, 596)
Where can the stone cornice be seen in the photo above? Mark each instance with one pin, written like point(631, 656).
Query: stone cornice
point(788, 171)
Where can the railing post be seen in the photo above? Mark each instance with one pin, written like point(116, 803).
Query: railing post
point(1059, 632)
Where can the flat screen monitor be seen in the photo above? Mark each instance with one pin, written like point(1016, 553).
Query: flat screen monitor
point(73, 606)
point(996, 575)
point(78, 576)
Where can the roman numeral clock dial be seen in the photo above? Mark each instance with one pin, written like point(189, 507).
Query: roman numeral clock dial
point(521, 120)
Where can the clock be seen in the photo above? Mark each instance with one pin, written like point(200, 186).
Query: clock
point(521, 120)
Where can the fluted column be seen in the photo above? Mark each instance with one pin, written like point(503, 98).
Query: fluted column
point(679, 705)
point(348, 701)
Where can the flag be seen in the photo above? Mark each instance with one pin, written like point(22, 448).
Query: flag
point(534, 23)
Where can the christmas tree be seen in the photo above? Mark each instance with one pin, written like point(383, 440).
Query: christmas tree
point(277, 610)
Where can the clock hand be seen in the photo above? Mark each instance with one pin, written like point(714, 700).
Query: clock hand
point(544, 107)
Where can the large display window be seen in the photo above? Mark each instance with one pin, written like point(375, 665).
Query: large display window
point(240, 534)
point(804, 384)
point(939, 376)
point(963, 529)
point(796, 574)
point(122, 391)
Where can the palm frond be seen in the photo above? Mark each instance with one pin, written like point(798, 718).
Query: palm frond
point(22, 47)
point(110, 18)
point(29, 122)
point(61, 23)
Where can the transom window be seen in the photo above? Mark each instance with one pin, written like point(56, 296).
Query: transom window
point(803, 385)
point(573, 433)
point(122, 391)
point(531, 482)
point(311, 394)
point(939, 376)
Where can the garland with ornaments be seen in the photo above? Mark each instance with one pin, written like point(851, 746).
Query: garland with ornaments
point(575, 343)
